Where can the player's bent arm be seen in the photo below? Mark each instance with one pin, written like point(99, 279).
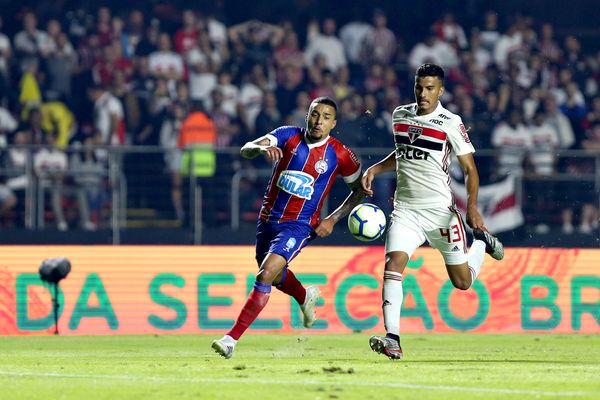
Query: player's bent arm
point(259, 146)
point(325, 227)
point(353, 199)
point(385, 165)
point(467, 162)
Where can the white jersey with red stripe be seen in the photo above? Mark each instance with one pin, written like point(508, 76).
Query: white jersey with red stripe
point(424, 148)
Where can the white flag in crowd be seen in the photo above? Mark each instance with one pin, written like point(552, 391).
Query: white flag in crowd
point(496, 202)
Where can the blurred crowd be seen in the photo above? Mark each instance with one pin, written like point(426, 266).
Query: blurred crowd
point(99, 77)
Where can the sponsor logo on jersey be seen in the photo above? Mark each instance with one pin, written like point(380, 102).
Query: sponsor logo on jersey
point(296, 183)
point(463, 132)
point(411, 153)
point(414, 132)
point(455, 248)
point(442, 116)
point(321, 166)
point(290, 244)
point(436, 121)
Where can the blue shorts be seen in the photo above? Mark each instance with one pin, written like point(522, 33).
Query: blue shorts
point(285, 239)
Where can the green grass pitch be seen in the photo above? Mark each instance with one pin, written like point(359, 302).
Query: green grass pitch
point(301, 366)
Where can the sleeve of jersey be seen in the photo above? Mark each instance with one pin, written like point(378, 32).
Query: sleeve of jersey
point(349, 165)
point(459, 138)
point(280, 135)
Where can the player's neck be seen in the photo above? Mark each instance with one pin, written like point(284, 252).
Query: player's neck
point(310, 140)
point(421, 112)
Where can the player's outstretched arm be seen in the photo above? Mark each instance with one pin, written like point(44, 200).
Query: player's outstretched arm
point(262, 145)
point(385, 165)
point(325, 227)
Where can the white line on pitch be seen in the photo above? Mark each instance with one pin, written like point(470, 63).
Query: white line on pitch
point(308, 382)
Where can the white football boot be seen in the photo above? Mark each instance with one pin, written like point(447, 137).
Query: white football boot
point(308, 308)
point(224, 346)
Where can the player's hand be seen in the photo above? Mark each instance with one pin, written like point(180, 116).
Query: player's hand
point(325, 227)
point(273, 153)
point(474, 219)
point(366, 181)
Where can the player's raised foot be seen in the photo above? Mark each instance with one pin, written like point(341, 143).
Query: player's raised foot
point(308, 308)
point(224, 346)
point(386, 346)
point(493, 246)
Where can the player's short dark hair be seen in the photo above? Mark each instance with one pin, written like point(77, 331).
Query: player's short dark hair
point(430, 70)
point(327, 101)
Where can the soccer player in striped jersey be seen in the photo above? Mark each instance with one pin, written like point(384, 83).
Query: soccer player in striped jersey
point(426, 134)
point(307, 161)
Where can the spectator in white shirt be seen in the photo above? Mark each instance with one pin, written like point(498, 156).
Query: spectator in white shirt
point(433, 50)
point(512, 140)
point(32, 44)
point(165, 63)
point(5, 59)
point(108, 115)
point(325, 43)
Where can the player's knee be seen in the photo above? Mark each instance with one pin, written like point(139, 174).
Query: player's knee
point(396, 262)
point(461, 284)
point(266, 275)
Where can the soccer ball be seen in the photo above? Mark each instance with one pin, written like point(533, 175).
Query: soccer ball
point(366, 222)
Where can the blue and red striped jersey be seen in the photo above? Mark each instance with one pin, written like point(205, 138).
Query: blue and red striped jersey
point(302, 178)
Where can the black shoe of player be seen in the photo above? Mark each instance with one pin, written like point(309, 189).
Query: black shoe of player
point(493, 246)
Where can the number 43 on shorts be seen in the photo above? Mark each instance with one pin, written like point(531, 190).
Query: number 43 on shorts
point(453, 234)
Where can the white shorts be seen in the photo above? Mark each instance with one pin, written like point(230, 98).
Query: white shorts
point(443, 228)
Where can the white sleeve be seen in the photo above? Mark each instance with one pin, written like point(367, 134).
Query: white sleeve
point(459, 138)
point(272, 139)
point(351, 178)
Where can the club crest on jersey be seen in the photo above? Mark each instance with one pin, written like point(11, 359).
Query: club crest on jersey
point(413, 133)
point(296, 183)
point(321, 166)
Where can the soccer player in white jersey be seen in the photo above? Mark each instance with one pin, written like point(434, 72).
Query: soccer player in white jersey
point(426, 134)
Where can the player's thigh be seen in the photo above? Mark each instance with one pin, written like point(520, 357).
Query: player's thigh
point(446, 233)
point(290, 239)
point(271, 268)
point(265, 233)
point(404, 236)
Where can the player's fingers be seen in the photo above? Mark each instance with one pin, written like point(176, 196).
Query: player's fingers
point(276, 153)
point(366, 182)
point(273, 154)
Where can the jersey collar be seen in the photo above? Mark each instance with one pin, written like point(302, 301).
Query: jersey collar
point(317, 144)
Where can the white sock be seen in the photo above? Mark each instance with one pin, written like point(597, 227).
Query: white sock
point(392, 301)
point(475, 260)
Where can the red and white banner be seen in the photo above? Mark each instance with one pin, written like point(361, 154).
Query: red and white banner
point(496, 202)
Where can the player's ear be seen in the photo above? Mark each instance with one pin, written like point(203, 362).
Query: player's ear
point(441, 91)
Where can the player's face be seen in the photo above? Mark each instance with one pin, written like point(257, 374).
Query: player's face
point(319, 121)
point(428, 90)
